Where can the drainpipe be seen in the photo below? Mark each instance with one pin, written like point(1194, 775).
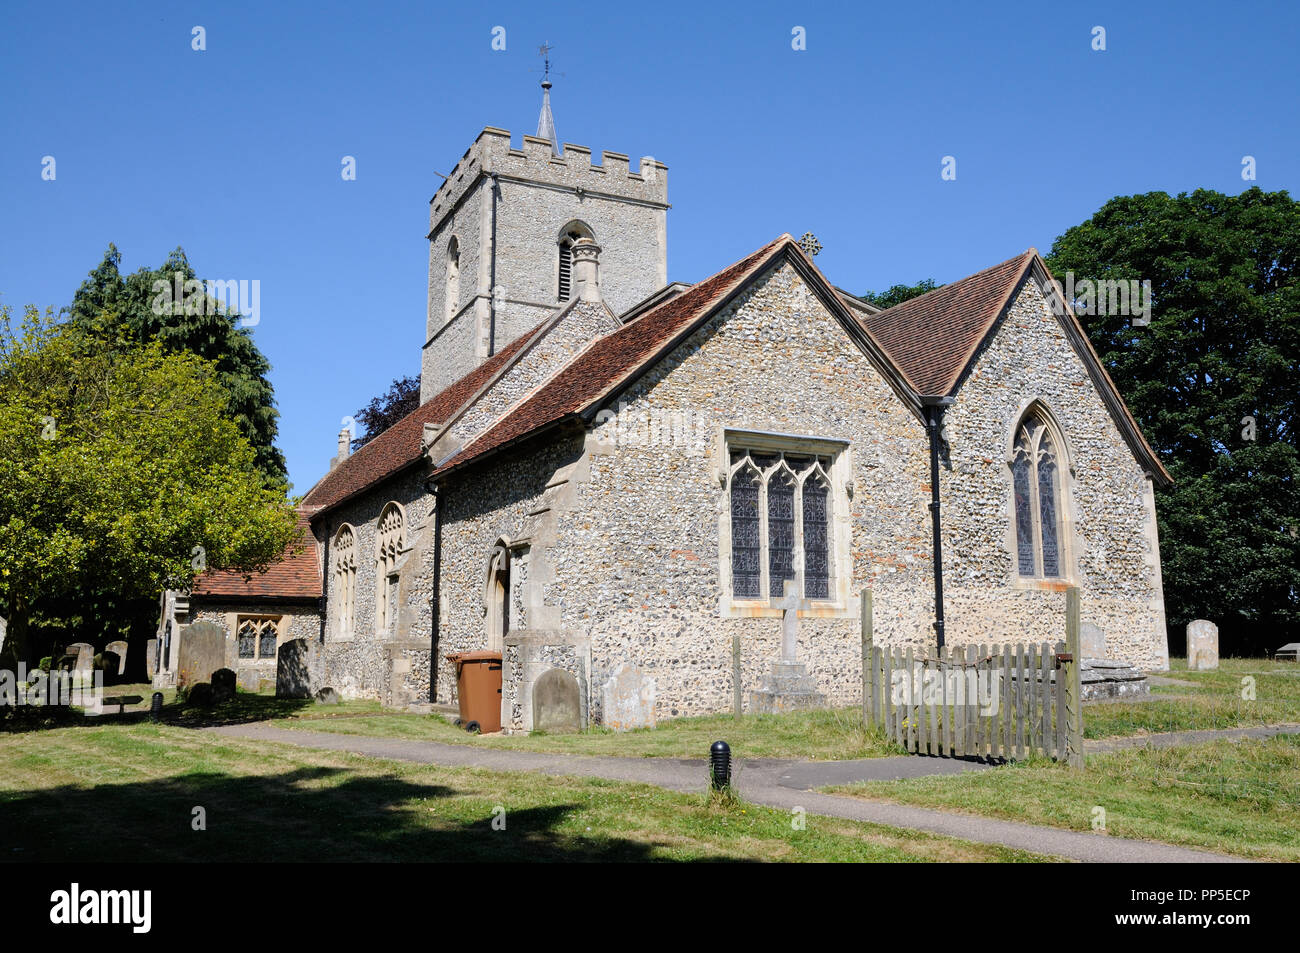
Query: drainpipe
point(934, 408)
point(325, 582)
point(492, 271)
point(436, 601)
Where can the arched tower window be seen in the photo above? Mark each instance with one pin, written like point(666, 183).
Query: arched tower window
point(390, 543)
point(1038, 499)
point(345, 580)
point(569, 235)
point(453, 279)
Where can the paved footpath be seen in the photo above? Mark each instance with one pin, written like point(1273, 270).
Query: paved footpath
point(771, 782)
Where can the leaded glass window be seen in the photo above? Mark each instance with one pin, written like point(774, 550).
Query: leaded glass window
point(257, 636)
point(1036, 484)
point(746, 543)
point(780, 505)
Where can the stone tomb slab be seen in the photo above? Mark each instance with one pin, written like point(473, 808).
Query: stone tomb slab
point(202, 652)
point(1202, 646)
point(119, 648)
point(557, 704)
point(297, 669)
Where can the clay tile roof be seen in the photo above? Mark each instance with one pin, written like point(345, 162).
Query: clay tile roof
point(611, 360)
point(932, 337)
point(295, 576)
point(399, 446)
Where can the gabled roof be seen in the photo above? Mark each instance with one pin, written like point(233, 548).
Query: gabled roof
point(614, 362)
point(933, 336)
point(400, 446)
point(295, 576)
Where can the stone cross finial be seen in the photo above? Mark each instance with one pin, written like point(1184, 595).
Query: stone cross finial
point(789, 621)
point(810, 244)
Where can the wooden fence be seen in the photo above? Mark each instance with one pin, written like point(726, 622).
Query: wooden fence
point(999, 701)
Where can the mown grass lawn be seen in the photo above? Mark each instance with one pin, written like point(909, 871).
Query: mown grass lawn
point(128, 792)
point(1210, 700)
point(835, 734)
point(1233, 797)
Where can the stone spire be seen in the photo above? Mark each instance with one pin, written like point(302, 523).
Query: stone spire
point(546, 122)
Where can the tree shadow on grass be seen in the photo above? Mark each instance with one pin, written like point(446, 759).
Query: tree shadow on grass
point(313, 814)
point(240, 710)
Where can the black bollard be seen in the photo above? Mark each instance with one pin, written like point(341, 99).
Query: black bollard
point(720, 765)
point(155, 706)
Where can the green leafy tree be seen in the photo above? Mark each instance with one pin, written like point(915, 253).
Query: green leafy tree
point(899, 293)
point(106, 302)
point(402, 397)
point(120, 474)
point(1213, 381)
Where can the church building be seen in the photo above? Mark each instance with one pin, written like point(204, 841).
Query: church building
point(614, 476)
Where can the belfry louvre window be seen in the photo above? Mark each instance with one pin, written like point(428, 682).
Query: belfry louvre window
point(1036, 481)
point(257, 636)
point(780, 523)
point(566, 269)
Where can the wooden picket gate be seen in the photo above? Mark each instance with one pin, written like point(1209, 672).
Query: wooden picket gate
point(987, 701)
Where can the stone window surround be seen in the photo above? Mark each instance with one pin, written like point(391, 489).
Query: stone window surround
point(841, 605)
point(451, 281)
point(343, 625)
point(563, 238)
point(389, 566)
point(498, 563)
point(235, 619)
point(1065, 501)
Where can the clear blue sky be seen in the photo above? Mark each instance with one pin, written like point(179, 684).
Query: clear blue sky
point(234, 153)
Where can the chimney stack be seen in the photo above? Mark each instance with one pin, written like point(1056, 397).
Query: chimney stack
point(586, 269)
point(345, 447)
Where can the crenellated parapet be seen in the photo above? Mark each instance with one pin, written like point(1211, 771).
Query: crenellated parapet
point(534, 163)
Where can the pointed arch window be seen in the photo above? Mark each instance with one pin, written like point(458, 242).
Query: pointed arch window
point(452, 291)
point(390, 544)
point(780, 505)
point(1037, 488)
point(569, 236)
point(345, 580)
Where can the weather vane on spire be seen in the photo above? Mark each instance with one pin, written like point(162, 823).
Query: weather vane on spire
point(545, 121)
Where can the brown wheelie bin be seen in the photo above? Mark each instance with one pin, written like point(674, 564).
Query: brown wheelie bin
point(478, 689)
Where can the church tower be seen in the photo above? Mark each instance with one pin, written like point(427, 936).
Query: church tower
point(501, 232)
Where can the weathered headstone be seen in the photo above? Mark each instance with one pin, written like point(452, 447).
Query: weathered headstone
point(151, 658)
point(202, 652)
point(1092, 641)
point(108, 663)
point(1202, 645)
point(628, 699)
point(223, 684)
point(328, 696)
point(249, 679)
point(296, 668)
point(556, 702)
point(85, 653)
point(118, 647)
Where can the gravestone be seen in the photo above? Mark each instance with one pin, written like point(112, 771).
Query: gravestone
point(296, 669)
point(628, 699)
point(119, 648)
point(223, 684)
point(328, 696)
point(202, 652)
point(556, 702)
point(1202, 646)
point(108, 663)
point(249, 679)
point(85, 655)
point(151, 658)
point(1092, 641)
